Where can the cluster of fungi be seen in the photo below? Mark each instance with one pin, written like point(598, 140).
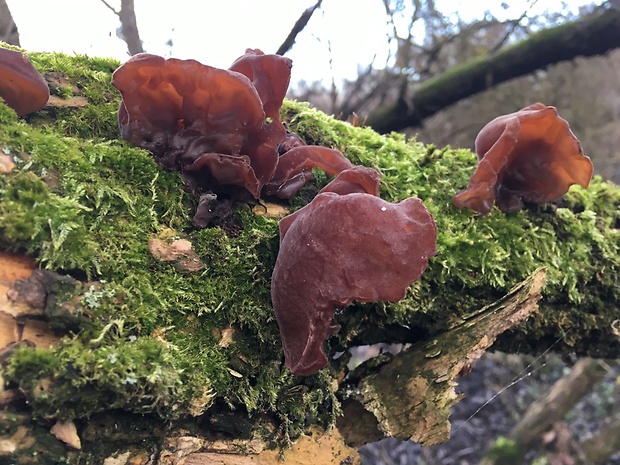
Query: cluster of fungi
point(222, 130)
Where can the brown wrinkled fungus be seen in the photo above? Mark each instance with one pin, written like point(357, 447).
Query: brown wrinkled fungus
point(270, 75)
point(21, 86)
point(294, 168)
point(527, 156)
point(346, 245)
point(190, 116)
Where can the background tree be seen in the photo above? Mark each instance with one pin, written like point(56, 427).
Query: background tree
point(593, 34)
point(8, 28)
point(479, 54)
point(449, 81)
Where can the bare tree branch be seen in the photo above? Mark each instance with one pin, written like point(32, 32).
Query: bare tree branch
point(297, 28)
point(604, 443)
point(564, 394)
point(110, 7)
point(512, 25)
point(129, 25)
point(553, 407)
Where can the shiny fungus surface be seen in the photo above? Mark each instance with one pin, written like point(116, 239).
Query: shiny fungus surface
point(270, 75)
point(527, 156)
point(346, 245)
point(21, 86)
point(220, 128)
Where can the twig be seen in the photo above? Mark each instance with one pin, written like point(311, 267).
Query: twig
point(117, 13)
point(297, 28)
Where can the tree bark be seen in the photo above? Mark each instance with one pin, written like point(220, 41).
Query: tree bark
point(592, 35)
point(129, 27)
point(8, 28)
point(418, 382)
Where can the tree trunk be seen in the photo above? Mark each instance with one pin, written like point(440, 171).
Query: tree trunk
point(129, 27)
point(594, 34)
point(8, 28)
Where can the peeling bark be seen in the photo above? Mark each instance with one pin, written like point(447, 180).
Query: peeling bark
point(411, 396)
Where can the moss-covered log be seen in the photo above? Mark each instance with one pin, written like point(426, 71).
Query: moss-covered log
point(594, 34)
point(159, 339)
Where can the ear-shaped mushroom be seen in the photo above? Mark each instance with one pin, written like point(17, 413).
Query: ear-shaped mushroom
point(211, 124)
point(270, 76)
point(527, 156)
point(21, 85)
point(172, 104)
point(341, 248)
point(357, 179)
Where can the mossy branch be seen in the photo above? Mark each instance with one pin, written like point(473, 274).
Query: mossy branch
point(595, 34)
point(201, 348)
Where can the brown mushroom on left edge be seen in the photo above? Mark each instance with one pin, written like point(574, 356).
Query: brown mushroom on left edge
point(21, 86)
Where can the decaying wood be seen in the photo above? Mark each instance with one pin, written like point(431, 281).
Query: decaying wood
point(410, 397)
point(321, 447)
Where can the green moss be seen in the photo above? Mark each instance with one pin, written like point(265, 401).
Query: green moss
point(91, 76)
point(151, 337)
point(147, 340)
point(137, 374)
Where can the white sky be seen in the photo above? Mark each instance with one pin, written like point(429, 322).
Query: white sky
point(216, 32)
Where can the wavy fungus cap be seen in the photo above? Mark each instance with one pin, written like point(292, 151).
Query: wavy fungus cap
point(527, 156)
point(169, 103)
point(346, 245)
point(21, 86)
point(193, 116)
point(220, 128)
